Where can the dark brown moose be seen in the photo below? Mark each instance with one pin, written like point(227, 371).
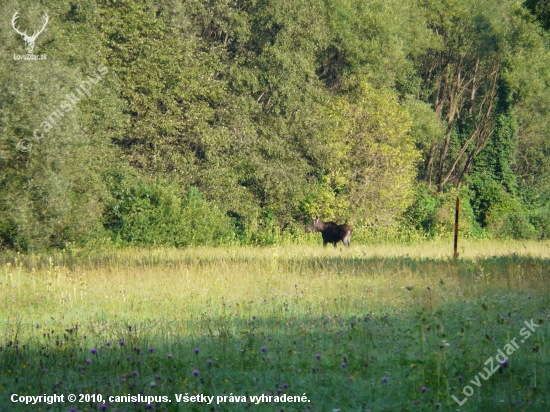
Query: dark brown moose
point(331, 232)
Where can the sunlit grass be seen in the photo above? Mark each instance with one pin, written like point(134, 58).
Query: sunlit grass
point(410, 314)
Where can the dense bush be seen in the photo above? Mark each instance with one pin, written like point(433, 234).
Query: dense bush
point(433, 214)
point(152, 214)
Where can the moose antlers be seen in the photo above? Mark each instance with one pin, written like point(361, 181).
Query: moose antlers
point(29, 40)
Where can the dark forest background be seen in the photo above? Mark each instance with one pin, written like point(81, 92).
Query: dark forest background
point(236, 121)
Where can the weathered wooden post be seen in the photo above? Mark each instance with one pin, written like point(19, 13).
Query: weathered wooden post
point(456, 227)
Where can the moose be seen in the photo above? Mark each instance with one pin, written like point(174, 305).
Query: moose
point(331, 232)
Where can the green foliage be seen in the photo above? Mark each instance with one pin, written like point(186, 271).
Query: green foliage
point(274, 111)
point(433, 214)
point(516, 226)
point(541, 222)
point(153, 214)
point(376, 38)
point(541, 10)
point(50, 184)
point(372, 164)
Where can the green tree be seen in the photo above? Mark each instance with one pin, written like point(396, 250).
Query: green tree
point(372, 165)
point(50, 179)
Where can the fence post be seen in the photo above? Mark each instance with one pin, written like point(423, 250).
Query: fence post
point(456, 228)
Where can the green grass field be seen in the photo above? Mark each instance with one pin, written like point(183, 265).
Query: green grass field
point(396, 328)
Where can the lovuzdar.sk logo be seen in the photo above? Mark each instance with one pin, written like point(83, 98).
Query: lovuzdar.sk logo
point(29, 40)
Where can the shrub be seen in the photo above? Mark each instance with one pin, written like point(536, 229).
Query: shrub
point(154, 214)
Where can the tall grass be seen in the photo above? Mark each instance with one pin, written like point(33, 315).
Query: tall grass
point(259, 316)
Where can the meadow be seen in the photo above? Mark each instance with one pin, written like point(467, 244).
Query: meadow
point(369, 328)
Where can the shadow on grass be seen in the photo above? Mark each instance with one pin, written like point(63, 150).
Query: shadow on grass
point(404, 358)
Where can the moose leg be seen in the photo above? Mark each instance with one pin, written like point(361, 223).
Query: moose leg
point(347, 238)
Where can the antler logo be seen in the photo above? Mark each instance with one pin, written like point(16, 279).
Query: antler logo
point(29, 40)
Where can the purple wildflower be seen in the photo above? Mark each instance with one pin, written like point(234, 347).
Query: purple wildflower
point(107, 343)
point(505, 363)
point(135, 373)
point(460, 378)
point(93, 351)
point(196, 372)
point(209, 362)
point(262, 349)
point(318, 356)
point(169, 355)
point(423, 389)
point(103, 407)
point(88, 361)
point(151, 349)
point(149, 406)
point(197, 350)
point(384, 379)
point(344, 365)
point(121, 342)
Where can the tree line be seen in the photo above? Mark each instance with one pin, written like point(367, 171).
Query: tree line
point(233, 121)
